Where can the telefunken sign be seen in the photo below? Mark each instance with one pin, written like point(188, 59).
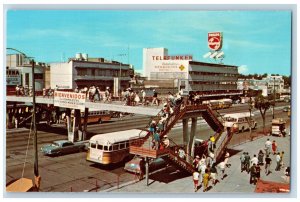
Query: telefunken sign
point(215, 40)
point(174, 57)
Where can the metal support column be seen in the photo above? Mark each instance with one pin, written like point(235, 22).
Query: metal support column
point(185, 128)
point(147, 170)
point(191, 137)
point(84, 131)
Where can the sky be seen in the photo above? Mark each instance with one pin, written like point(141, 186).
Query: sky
point(256, 41)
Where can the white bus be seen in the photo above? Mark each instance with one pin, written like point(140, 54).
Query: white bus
point(239, 122)
point(112, 147)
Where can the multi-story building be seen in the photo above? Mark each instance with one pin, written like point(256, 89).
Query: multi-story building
point(82, 71)
point(207, 79)
point(19, 72)
point(267, 84)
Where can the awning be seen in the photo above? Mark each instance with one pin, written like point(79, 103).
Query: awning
point(21, 185)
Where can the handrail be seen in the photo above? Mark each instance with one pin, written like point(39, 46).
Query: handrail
point(190, 157)
point(223, 145)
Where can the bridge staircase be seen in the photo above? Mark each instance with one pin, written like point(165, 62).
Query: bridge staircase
point(143, 146)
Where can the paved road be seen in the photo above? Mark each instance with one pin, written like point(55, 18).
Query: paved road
point(61, 174)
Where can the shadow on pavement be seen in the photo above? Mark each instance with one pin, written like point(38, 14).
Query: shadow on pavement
point(168, 175)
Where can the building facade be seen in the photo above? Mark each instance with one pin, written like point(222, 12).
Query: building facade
point(206, 79)
point(18, 62)
point(86, 72)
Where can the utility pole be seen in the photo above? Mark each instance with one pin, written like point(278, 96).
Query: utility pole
point(36, 165)
point(274, 95)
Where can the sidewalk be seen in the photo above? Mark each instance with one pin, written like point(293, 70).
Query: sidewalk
point(235, 182)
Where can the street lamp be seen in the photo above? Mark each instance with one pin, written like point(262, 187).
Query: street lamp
point(36, 169)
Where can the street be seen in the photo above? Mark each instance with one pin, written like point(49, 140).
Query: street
point(73, 173)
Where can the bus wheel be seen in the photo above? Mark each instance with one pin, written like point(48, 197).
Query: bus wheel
point(100, 121)
point(243, 129)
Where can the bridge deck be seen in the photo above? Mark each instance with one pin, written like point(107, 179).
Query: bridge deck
point(114, 106)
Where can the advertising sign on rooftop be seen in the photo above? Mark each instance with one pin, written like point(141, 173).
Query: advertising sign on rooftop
point(69, 100)
point(215, 40)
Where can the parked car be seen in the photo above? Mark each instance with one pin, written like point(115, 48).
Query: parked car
point(136, 165)
point(61, 147)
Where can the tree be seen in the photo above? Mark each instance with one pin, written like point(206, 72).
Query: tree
point(263, 104)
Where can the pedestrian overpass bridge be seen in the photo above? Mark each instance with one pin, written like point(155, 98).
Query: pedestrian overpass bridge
point(113, 106)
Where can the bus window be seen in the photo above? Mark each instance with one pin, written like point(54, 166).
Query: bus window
point(93, 145)
point(107, 148)
point(122, 145)
point(100, 146)
point(127, 144)
point(115, 147)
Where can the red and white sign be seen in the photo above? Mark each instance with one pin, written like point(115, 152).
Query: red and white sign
point(69, 100)
point(215, 40)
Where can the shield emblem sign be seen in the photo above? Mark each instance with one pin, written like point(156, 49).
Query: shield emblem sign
point(215, 40)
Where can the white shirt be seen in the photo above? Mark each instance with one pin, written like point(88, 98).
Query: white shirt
point(277, 158)
point(222, 165)
point(254, 160)
point(196, 175)
point(268, 144)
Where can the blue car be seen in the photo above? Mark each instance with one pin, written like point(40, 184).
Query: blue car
point(62, 147)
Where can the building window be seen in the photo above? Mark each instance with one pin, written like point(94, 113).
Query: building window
point(26, 78)
point(38, 76)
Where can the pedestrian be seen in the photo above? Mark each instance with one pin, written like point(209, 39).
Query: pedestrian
point(222, 168)
point(152, 127)
point(210, 159)
point(155, 98)
point(242, 159)
point(281, 159)
point(181, 153)
point(226, 159)
point(196, 161)
point(143, 97)
point(166, 141)
point(156, 140)
point(44, 92)
point(278, 161)
point(17, 90)
point(201, 169)
point(253, 174)
point(268, 161)
point(274, 147)
point(196, 180)
point(254, 160)
point(206, 178)
point(247, 162)
point(261, 157)
point(268, 145)
point(213, 141)
point(214, 173)
point(257, 168)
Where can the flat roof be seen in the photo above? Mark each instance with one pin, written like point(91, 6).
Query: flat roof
point(210, 64)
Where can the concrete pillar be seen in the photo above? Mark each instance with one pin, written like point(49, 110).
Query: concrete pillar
point(69, 125)
point(190, 148)
point(84, 131)
point(147, 170)
point(185, 133)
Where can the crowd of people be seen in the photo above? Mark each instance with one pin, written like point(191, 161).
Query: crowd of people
point(24, 90)
point(254, 165)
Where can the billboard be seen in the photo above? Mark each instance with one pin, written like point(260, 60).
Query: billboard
point(215, 40)
point(13, 77)
point(69, 100)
